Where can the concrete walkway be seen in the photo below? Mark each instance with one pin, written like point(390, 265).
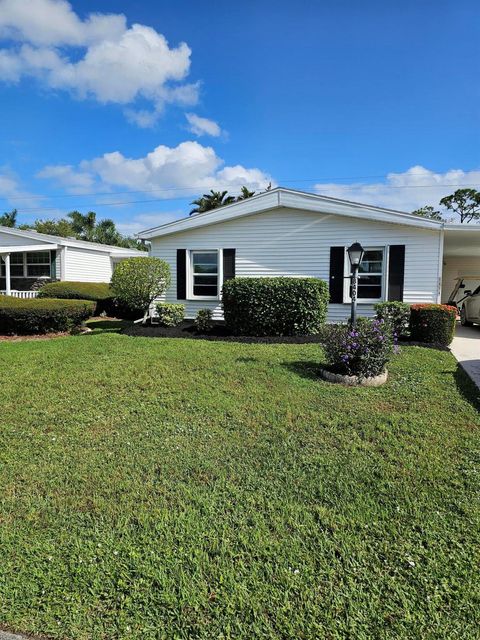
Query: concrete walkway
point(466, 349)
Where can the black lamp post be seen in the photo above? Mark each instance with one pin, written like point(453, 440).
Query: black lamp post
point(355, 255)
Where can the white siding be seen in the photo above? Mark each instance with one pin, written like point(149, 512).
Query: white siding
point(83, 265)
point(286, 242)
point(454, 266)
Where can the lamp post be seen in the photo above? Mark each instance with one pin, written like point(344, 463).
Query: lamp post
point(355, 255)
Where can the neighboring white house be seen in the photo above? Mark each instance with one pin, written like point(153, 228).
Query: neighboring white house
point(283, 232)
point(27, 257)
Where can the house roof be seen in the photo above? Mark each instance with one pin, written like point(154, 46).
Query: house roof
point(70, 242)
point(291, 199)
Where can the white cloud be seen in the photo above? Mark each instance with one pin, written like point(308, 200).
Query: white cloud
point(13, 194)
point(117, 64)
point(67, 176)
point(202, 126)
point(405, 191)
point(167, 172)
point(148, 220)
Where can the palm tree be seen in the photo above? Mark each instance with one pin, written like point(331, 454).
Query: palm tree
point(106, 232)
point(211, 200)
point(244, 194)
point(9, 219)
point(83, 224)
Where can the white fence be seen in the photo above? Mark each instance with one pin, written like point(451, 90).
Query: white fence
point(20, 294)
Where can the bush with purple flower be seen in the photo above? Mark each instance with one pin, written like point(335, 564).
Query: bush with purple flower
point(362, 351)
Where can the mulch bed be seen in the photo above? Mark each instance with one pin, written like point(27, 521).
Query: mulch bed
point(43, 336)
point(219, 331)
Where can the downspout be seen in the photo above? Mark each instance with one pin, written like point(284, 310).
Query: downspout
point(440, 263)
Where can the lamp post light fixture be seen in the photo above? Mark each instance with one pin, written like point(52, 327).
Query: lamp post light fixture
point(355, 255)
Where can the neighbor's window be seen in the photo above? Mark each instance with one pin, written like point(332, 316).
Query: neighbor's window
point(370, 276)
point(16, 265)
point(38, 264)
point(204, 271)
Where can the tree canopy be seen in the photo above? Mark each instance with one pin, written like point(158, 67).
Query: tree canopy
point(9, 218)
point(465, 203)
point(216, 199)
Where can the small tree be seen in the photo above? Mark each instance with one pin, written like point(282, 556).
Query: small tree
point(9, 219)
point(136, 282)
point(428, 212)
point(465, 203)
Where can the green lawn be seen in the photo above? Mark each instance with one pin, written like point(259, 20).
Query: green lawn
point(168, 489)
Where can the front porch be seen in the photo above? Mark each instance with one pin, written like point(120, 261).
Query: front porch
point(23, 269)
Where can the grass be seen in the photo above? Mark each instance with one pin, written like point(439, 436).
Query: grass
point(171, 489)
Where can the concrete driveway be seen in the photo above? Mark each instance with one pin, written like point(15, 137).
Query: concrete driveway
point(466, 349)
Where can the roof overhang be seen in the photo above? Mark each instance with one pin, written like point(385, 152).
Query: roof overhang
point(15, 248)
point(68, 242)
point(288, 198)
point(462, 240)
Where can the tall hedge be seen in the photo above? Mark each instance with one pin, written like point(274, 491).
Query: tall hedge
point(432, 323)
point(275, 306)
point(42, 315)
point(100, 292)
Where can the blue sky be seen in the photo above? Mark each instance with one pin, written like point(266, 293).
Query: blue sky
point(371, 101)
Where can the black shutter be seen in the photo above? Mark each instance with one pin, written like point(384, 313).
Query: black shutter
point(181, 274)
point(228, 264)
point(396, 271)
point(337, 260)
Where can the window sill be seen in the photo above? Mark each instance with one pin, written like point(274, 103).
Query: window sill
point(205, 298)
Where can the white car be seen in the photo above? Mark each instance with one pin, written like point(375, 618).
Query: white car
point(470, 309)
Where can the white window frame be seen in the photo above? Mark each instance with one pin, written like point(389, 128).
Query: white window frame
point(36, 264)
point(190, 274)
point(347, 271)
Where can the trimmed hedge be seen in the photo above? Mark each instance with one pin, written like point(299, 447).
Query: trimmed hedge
point(432, 323)
point(99, 292)
point(170, 314)
point(275, 306)
point(37, 315)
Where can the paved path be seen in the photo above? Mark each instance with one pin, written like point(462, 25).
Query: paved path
point(466, 349)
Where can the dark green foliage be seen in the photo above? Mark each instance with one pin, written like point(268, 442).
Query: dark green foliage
point(99, 292)
point(397, 314)
point(203, 320)
point(275, 306)
point(170, 314)
point(37, 315)
point(363, 351)
point(432, 323)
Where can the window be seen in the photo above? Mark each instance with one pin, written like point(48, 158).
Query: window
point(38, 264)
point(370, 275)
point(16, 265)
point(204, 272)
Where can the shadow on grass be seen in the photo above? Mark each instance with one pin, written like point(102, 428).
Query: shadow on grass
point(309, 369)
point(466, 386)
point(111, 325)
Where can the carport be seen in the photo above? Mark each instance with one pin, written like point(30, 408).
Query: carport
point(461, 255)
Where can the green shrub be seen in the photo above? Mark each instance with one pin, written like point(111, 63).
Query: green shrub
point(432, 323)
point(37, 315)
point(99, 292)
point(362, 351)
point(397, 314)
point(170, 314)
point(275, 306)
point(136, 282)
point(203, 320)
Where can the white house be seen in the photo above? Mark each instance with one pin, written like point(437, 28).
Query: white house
point(283, 232)
point(27, 257)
